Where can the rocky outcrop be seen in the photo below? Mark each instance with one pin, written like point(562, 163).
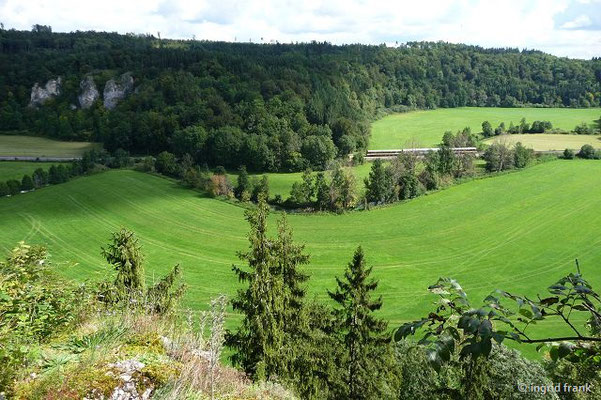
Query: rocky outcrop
point(40, 95)
point(128, 390)
point(88, 92)
point(116, 90)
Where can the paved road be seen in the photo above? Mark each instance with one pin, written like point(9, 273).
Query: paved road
point(23, 158)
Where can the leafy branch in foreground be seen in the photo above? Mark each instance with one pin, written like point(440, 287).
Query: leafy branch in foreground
point(457, 326)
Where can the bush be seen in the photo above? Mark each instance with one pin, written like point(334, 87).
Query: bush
point(497, 379)
point(27, 183)
point(4, 191)
point(165, 164)
point(498, 157)
point(588, 152)
point(220, 186)
point(568, 154)
point(14, 187)
point(40, 178)
point(584, 129)
point(33, 305)
point(522, 155)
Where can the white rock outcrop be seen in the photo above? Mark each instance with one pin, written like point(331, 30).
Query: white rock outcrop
point(39, 94)
point(127, 390)
point(116, 90)
point(88, 92)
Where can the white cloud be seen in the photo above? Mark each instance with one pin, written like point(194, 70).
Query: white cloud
point(510, 23)
point(582, 21)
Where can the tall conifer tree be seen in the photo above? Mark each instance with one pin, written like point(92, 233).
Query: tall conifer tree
point(366, 362)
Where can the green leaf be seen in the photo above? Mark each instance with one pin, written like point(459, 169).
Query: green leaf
point(526, 313)
point(565, 349)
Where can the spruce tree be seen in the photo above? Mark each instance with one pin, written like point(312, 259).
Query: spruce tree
point(124, 254)
point(272, 302)
point(367, 359)
point(258, 339)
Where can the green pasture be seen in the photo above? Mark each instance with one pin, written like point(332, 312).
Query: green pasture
point(519, 231)
point(16, 169)
point(425, 128)
point(31, 146)
point(549, 142)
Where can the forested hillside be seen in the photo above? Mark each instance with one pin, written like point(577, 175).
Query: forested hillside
point(275, 107)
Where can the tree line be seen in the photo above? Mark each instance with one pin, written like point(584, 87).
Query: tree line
point(280, 107)
point(92, 161)
point(537, 127)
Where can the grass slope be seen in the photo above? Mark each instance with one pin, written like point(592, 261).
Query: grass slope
point(550, 142)
point(519, 231)
point(16, 169)
point(427, 127)
point(30, 146)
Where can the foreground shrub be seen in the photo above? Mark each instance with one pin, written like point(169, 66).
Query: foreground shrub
point(498, 377)
point(34, 304)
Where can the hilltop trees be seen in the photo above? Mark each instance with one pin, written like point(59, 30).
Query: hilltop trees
point(277, 107)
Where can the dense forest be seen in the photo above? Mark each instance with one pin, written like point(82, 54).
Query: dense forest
point(271, 107)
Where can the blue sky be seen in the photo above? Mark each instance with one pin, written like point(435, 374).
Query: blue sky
point(569, 28)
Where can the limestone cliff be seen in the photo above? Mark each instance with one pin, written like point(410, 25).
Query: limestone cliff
point(88, 92)
point(116, 90)
point(40, 95)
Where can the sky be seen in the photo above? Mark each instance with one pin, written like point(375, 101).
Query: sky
point(570, 28)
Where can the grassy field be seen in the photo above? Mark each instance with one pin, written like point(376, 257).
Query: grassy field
point(426, 128)
point(479, 232)
point(550, 142)
point(16, 169)
point(30, 146)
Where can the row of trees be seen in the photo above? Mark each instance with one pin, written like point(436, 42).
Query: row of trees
point(500, 156)
point(278, 107)
point(406, 177)
point(522, 127)
point(91, 161)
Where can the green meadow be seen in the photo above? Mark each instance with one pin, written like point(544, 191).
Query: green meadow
point(479, 232)
point(425, 128)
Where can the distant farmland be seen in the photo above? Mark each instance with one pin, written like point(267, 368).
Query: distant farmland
point(550, 142)
point(30, 146)
point(426, 128)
